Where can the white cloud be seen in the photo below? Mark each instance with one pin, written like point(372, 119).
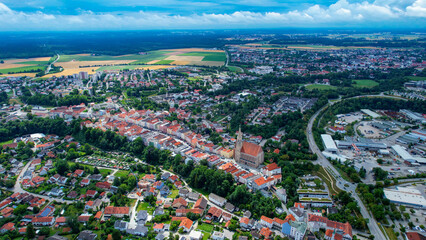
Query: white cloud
point(341, 13)
point(417, 9)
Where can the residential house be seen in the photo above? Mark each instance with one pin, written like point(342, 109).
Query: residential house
point(220, 201)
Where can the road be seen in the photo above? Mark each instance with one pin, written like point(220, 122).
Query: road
point(340, 182)
point(19, 189)
point(50, 65)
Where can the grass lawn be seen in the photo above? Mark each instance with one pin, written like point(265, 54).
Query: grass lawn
point(145, 206)
point(235, 69)
point(208, 56)
point(415, 78)
point(391, 233)
point(122, 173)
point(105, 171)
point(365, 83)
point(331, 183)
point(206, 236)
point(174, 194)
point(320, 87)
point(6, 142)
point(22, 69)
point(206, 227)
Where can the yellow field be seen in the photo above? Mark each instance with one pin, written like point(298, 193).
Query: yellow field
point(22, 75)
point(185, 58)
point(71, 71)
point(13, 63)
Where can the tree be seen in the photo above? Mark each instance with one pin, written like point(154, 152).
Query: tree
point(44, 231)
point(96, 171)
point(30, 231)
point(74, 224)
point(116, 235)
point(62, 166)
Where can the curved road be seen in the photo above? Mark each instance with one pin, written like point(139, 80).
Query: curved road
point(340, 182)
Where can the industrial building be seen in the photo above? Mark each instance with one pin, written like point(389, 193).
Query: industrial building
point(329, 145)
point(413, 115)
point(406, 156)
point(362, 145)
point(370, 113)
point(406, 196)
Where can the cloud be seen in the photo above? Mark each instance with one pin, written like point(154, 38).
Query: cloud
point(340, 14)
point(417, 9)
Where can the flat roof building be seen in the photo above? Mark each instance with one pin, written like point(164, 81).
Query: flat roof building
point(406, 156)
point(406, 196)
point(370, 113)
point(329, 144)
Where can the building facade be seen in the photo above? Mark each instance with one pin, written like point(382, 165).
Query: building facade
point(247, 153)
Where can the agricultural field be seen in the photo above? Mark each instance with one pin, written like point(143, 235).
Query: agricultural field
point(365, 83)
point(73, 64)
point(320, 87)
point(16, 67)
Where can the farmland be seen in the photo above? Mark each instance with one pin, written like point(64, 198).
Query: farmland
point(23, 66)
point(160, 59)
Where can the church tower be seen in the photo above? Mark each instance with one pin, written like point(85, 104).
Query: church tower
point(238, 145)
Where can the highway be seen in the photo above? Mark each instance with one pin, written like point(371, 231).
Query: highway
point(340, 182)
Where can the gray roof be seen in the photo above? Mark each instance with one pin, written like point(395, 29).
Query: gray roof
point(120, 224)
point(87, 235)
point(142, 215)
point(57, 237)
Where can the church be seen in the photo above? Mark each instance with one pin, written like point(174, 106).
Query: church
point(247, 153)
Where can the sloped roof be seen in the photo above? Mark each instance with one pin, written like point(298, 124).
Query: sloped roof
point(251, 149)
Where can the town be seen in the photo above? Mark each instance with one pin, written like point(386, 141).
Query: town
point(276, 142)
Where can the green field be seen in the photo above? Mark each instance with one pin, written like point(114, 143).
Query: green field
point(122, 173)
point(365, 83)
point(165, 62)
point(22, 69)
point(38, 63)
point(208, 56)
point(320, 87)
point(235, 69)
point(415, 78)
point(139, 59)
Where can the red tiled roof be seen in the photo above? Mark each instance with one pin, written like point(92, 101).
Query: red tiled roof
point(251, 149)
point(266, 219)
point(187, 223)
point(110, 210)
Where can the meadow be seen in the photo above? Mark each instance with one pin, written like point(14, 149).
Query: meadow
point(365, 83)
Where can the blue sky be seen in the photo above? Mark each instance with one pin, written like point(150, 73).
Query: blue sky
point(56, 15)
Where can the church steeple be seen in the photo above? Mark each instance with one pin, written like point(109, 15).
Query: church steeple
point(238, 145)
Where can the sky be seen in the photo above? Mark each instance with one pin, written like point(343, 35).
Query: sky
point(89, 15)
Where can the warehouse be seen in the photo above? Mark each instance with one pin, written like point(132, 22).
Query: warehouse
point(329, 144)
point(406, 156)
point(368, 146)
point(370, 113)
point(406, 196)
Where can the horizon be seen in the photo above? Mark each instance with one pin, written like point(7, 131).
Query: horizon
point(96, 15)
